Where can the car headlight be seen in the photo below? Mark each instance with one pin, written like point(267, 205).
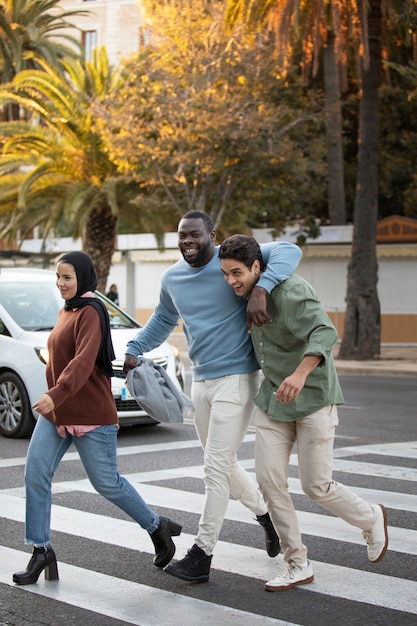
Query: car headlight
point(42, 354)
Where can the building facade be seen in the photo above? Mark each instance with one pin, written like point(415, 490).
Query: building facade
point(115, 24)
point(137, 267)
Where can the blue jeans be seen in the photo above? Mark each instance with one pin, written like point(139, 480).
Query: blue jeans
point(98, 453)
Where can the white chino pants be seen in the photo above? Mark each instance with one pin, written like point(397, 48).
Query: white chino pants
point(223, 408)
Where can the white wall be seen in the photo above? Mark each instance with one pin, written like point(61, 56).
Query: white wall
point(147, 282)
point(330, 285)
point(323, 265)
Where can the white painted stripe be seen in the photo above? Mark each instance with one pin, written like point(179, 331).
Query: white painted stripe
point(407, 449)
point(401, 540)
point(391, 499)
point(155, 604)
point(391, 472)
point(351, 584)
point(403, 449)
point(128, 601)
point(12, 462)
point(122, 451)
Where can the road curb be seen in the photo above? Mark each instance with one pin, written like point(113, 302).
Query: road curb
point(376, 369)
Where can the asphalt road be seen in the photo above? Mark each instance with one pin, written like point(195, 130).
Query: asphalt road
point(106, 572)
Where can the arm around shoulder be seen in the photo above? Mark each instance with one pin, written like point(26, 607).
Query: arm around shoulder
point(282, 259)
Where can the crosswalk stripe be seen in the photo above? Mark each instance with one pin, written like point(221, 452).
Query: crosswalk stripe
point(391, 499)
point(124, 451)
point(371, 469)
point(337, 581)
point(401, 540)
point(332, 580)
point(407, 449)
point(129, 601)
point(404, 449)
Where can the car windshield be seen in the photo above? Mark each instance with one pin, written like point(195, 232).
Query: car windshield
point(35, 306)
point(118, 319)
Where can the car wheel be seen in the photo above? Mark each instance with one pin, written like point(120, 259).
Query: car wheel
point(16, 419)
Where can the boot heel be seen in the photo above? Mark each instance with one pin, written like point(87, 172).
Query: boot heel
point(51, 571)
point(174, 529)
point(162, 540)
point(42, 560)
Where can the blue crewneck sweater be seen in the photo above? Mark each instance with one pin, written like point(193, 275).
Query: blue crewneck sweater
point(214, 318)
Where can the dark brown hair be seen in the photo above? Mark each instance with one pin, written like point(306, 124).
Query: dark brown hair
point(242, 248)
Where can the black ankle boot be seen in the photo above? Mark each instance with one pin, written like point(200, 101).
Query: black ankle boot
point(271, 538)
point(42, 559)
point(194, 567)
point(161, 539)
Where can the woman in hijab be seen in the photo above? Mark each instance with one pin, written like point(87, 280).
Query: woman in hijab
point(79, 408)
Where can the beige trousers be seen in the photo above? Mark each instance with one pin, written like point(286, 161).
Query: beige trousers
point(314, 435)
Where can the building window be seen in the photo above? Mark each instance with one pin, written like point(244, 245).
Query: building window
point(89, 41)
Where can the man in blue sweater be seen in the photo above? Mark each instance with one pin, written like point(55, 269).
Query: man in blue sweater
point(225, 372)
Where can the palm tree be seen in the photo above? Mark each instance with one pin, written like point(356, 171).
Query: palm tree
point(361, 337)
point(30, 30)
point(362, 332)
point(321, 26)
point(55, 168)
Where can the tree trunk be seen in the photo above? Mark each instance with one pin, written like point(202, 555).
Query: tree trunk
point(99, 242)
point(362, 333)
point(334, 133)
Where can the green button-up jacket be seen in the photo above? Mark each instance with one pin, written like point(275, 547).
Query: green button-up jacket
point(300, 326)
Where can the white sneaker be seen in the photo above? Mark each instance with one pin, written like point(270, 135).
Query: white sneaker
point(295, 575)
point(377, 536)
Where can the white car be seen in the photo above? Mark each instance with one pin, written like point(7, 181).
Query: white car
point(29, 305)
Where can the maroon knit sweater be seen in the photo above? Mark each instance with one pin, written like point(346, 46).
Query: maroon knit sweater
point(81, 393)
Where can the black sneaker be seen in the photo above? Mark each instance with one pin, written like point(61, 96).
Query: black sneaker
point(194, 567)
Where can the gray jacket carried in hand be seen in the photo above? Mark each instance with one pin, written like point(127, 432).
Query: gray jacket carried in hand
point(156, 393)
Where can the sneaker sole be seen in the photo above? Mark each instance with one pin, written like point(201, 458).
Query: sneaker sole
point(290, 586)
point(384, 549)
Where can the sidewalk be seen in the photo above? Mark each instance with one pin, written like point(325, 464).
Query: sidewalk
point(398, 360)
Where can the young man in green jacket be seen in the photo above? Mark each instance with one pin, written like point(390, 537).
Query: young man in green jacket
point(297, 403)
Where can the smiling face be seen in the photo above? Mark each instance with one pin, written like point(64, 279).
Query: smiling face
point(241, 278)
point(195, 242)
point(66, 280)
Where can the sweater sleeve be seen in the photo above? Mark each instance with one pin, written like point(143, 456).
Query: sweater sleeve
point(158, 328)
point(281, 260)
